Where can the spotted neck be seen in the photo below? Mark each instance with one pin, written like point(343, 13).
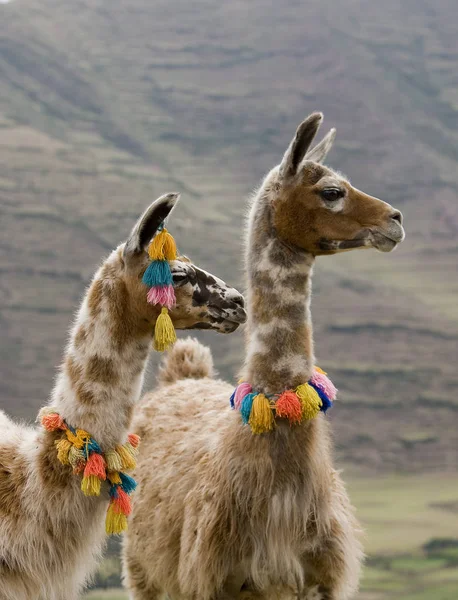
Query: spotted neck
point(280, 342)
point(101, 377)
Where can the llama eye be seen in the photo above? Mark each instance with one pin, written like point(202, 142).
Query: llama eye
point(332, 194)
point(179, 278)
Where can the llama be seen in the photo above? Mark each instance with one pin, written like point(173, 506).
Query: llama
point(51, 534)
point(221, 512)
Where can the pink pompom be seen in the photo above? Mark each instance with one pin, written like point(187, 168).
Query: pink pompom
point(325, 384)
point(242, 390)
point(164, 295)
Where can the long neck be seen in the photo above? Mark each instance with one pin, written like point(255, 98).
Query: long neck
point(280, 341)
point(101, 377)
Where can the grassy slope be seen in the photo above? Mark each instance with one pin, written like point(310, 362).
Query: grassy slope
point(102, 109)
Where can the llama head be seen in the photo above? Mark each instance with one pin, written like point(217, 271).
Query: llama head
point(317, 210)
point(203, 301)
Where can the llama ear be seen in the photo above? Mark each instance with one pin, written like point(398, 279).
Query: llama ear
point(149, 223)
point(319, 152)
point(300, 144)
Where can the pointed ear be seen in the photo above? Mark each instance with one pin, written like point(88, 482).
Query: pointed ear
point(300, 144)
point(318, 153)
point(149, 223)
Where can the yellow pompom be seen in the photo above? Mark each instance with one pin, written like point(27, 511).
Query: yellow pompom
point(127, 458)
point(116, 522)
point(261, 416)
point(114, 478)
point(162, 247)
point(90, 486)
point(310, 401)
point(79, 438)
point(170, 247)
point(164, 332)
point(113, 460)
point(63, 448)
point(320, 370)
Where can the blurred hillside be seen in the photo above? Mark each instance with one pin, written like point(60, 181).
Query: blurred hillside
point(106, 105)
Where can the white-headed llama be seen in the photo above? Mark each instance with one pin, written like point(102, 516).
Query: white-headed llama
point(246, 502)
point(52, 521)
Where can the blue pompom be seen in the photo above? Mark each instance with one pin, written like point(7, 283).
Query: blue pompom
point(158, 273)
point(128, 483)
point(231, 399)
point(92, 446)
point(245, 408)
point(326, 402)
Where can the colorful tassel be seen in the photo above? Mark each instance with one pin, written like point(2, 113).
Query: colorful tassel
point(127, 457)
point(96, 465)
point(114, 478)
point(163, 247)
point(163, 295)
point(113, 460)
point(76, 459)
point(245, 408)
point(90, 486)
point(231, 399)
point(158, 273)
point(310, 401)
point(52, 422)
point(78, 438)
point(134, 439)
point(164, 332)
point(261, 415)
point(289, 406)
point(63, 448)
point(319, 380)
point(128, 483)
point(241, 391)
point(116, 522)
point(122, 502)
point(326, 402)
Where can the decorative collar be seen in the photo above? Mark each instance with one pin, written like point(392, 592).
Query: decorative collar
point(78, 449)
point(299, 405)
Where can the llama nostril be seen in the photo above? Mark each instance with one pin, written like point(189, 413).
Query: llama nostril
point(240, 300)
point(397, 216)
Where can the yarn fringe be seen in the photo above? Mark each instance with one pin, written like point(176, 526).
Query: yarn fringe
point(78, 449)
point(261, 416)
point(164, 332)
point(302, 404)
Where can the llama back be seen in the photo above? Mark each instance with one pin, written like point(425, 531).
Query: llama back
point(188, 359)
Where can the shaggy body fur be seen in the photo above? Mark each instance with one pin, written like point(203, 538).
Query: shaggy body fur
point(218, 507)
point(51, 535)
point(221, 511)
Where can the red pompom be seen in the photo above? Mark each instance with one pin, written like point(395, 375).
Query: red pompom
point(289, 406)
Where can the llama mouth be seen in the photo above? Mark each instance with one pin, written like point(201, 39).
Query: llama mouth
point(383, 242)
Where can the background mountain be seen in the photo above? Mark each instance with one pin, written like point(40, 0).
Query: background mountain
point(106, 105)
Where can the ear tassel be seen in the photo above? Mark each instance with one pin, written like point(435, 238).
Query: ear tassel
point(158, 277)
point(164, 332)
point(163, 247)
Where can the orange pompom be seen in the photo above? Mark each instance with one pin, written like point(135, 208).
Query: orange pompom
point(122, 503)
point(134, 439)
point(289, 406)
point(52, 422)
point(96, 465)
